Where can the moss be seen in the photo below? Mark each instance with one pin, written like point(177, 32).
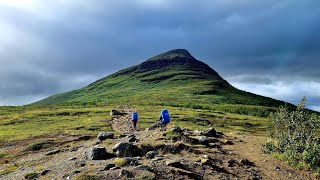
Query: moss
point(119, 162)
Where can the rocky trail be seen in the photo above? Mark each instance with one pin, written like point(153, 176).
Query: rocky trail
point(177, 153)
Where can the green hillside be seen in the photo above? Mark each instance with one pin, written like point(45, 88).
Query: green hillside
point(174, 78)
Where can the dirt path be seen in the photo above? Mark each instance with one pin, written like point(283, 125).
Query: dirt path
point(122, 124)
point(270, 167)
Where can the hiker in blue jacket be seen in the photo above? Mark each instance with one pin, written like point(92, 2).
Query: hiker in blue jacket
point(164, 118)
point(135, 119)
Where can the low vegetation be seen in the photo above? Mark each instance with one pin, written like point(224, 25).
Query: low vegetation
point(295, 137)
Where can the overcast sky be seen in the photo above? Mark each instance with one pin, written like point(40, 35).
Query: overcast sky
point(269, 47)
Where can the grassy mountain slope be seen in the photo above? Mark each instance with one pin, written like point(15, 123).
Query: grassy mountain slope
point(174, 78)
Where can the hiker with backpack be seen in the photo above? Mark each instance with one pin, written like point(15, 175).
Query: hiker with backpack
point(164, 118)
point(135, 119)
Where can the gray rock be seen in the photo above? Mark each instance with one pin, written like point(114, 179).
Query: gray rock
point(210, 132)
point(114, 168)
point(56, 151)
point(203, 140)
point(231, 163)
point(227, 142)
point(176, 129)
point(176, 164)
point(98, 154)
point(116, 113)
point(79, 164)
point(125, 173)
point(151, 154)
point(44, 172)
point(105, 135)
point(77, 172)
point(109, 166)
point(126, 149)
point(246, 162)
point(133, 139)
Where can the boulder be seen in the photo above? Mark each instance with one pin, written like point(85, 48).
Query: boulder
point(105, 135)
point(98, 154)
point(211, 132)
point(151, 154)
point(126, 149)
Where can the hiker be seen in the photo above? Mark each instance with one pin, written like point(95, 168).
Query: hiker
point(164, 118)
point(135, 119)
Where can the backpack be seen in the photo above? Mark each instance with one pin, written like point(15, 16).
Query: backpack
point(135, 116)
point(165, 116)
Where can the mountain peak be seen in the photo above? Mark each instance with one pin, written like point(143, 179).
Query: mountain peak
point(172, 54)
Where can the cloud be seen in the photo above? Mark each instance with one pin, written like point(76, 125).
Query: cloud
point(249, 42)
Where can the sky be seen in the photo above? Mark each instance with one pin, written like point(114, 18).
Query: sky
point(268, 47)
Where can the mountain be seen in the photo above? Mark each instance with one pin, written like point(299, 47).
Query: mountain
point(173, 78)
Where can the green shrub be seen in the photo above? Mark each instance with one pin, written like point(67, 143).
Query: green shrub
point(295, 136)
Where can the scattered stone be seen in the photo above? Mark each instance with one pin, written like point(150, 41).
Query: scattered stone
point(133, 139)
point(137, 158)
point(98, 154)
point(126, 149)
point(116, 113)
point(203, 140)
point(151, 154)
point(77, 172)
point(109, 166)
point(130, 161)
point(219, 135)
point(175, 164)
point(73, 158)
point(246, 162)
point(227, 142)
point(115, 168)
point(210, 132)
point(176, 129)
point(125, 173)
point(56, 151)
point(207, 162)
point(80, 164)
point(206, 156)
point(277, 168)
point(231, 163)
point(44, 172)
point(105, 135)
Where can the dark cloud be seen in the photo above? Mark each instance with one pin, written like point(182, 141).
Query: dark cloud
point(45, 45)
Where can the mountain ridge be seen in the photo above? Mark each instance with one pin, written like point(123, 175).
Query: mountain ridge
point(172, 78)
